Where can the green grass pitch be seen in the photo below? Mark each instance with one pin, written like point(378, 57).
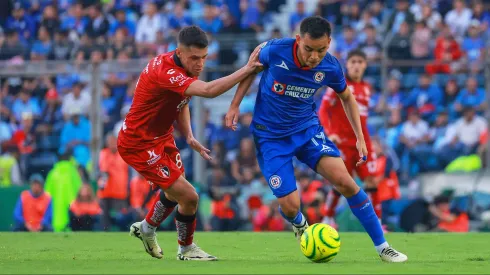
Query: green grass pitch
point(239, 253)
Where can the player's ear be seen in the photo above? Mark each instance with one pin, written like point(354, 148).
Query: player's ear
point(298, 38)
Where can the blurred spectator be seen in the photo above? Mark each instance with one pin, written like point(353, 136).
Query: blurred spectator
point(85, 210)
point(9, 166)
point(209, 129)
point(345, 43)
point(474, 48)
point(447, 52)
point(254, 16)
point(420, 41)
point(22, 23)
point(178, 18)
point(472, 97)
point(62, 47)
point(366, 20)
point(245, 159)
point(34, 211)
point(229, 137)
point(224, 207)
point(148, 25)
point(43, 46)
point(268, 218)
point(393, 102)
point(219, 160)
point(119, 124)
point(451, 91)
point(121, 43)
point(459, 18)
point(25, 104)
point(483, 147)
point(210, 22)
point(371, 46)
point(432, 17)
point(313, 197)
point(141, 197)
point(426, 98)
point(414, 133)
point(98, 25)
point(401, 14)
point(448, 219)
point(63, 183)
point(108, 108)
point(76, 101)
point(121, 22)
point(298, 15)
point(24, 137)
point(75, 136)
point(399, 47)
point(351, 14)
point(50, 20)
point(482, 16)
point(463, 136)
point(74, 20)
point(113, 181)
point(11, 48)
point(330, 9)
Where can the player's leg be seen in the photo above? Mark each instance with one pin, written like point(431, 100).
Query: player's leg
point(334, 170)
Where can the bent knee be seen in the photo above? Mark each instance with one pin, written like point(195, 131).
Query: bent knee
point(345, 184)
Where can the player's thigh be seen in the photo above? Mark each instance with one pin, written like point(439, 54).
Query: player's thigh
point(282, 182)
point(333, 169)
point(317, 147)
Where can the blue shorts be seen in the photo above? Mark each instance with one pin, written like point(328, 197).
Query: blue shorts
point(275, 156)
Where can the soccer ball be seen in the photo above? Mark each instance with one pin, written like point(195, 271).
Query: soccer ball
point(320, 243)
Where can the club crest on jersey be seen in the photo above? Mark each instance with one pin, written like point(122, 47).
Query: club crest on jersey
point(319, 76)
point(163, 172)
point(278, 88)
point(275, 181)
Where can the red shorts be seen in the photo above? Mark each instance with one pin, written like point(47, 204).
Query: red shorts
point(350, 155)
point(160, 164)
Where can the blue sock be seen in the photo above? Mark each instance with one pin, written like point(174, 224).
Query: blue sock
point(364, 211)
point(296, 220)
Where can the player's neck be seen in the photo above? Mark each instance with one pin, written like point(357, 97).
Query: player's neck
point(301, 62)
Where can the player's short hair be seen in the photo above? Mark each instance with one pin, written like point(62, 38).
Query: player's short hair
point(356, 52)
point(193, 36)
point(315, 26)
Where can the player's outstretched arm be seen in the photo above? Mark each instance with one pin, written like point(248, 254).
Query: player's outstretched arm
point(221, 85)
point(233, 113)
point(352, 111)
point(184, 123)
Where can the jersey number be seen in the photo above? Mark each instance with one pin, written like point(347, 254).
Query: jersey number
point(178, 161)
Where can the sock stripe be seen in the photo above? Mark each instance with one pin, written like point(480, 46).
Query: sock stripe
point(360, 204)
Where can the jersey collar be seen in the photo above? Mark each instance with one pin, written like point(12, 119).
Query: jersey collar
point(177, 60)
point(295, 57)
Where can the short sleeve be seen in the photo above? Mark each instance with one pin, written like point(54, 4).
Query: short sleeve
point(174, 80)
point(337, 80)
point(264, 52)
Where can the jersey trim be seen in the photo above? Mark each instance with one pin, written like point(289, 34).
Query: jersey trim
point(295, 57)
point(177, 60)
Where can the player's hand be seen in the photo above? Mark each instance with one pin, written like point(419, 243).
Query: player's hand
point(253, 61)
point(196, 146)
point(231, 118)
point(363, 152)
point(335, 139)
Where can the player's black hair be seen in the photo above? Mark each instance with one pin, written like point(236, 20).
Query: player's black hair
point(193, 36)
point(356, 52)
point(315, 26)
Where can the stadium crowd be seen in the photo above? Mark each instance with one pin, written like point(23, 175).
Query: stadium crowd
point(430, 117)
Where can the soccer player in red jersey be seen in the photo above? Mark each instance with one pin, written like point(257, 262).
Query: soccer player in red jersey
point(146, 142)
point(332, 117)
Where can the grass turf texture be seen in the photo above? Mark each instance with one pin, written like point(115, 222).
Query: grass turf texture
point(239, 253)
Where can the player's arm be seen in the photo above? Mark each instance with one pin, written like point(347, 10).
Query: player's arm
point(352, 111)
point(184, 123)
point(221, 85)
point(233, 113)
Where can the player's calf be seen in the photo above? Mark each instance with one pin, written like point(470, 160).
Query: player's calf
point(290, 211)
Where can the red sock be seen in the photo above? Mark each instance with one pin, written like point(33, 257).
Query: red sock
point(332, 202)
point(160, 210)
point(186, 225)
point(373, 197)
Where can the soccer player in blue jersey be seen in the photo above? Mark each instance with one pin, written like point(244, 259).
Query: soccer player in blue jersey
point(285, 124)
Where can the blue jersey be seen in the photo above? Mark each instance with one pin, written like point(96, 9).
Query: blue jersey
point(285, 103)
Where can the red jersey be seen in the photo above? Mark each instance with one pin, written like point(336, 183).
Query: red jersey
point(158, 100)
point(334, 120)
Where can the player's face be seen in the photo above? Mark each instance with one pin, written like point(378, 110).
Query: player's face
point(356, 65)
point(312, 51)
point(193, 59)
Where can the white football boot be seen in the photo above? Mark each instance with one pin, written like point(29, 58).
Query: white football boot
point(148, 240)
point(193, 253)
point(389, 254)
point(298, 230)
